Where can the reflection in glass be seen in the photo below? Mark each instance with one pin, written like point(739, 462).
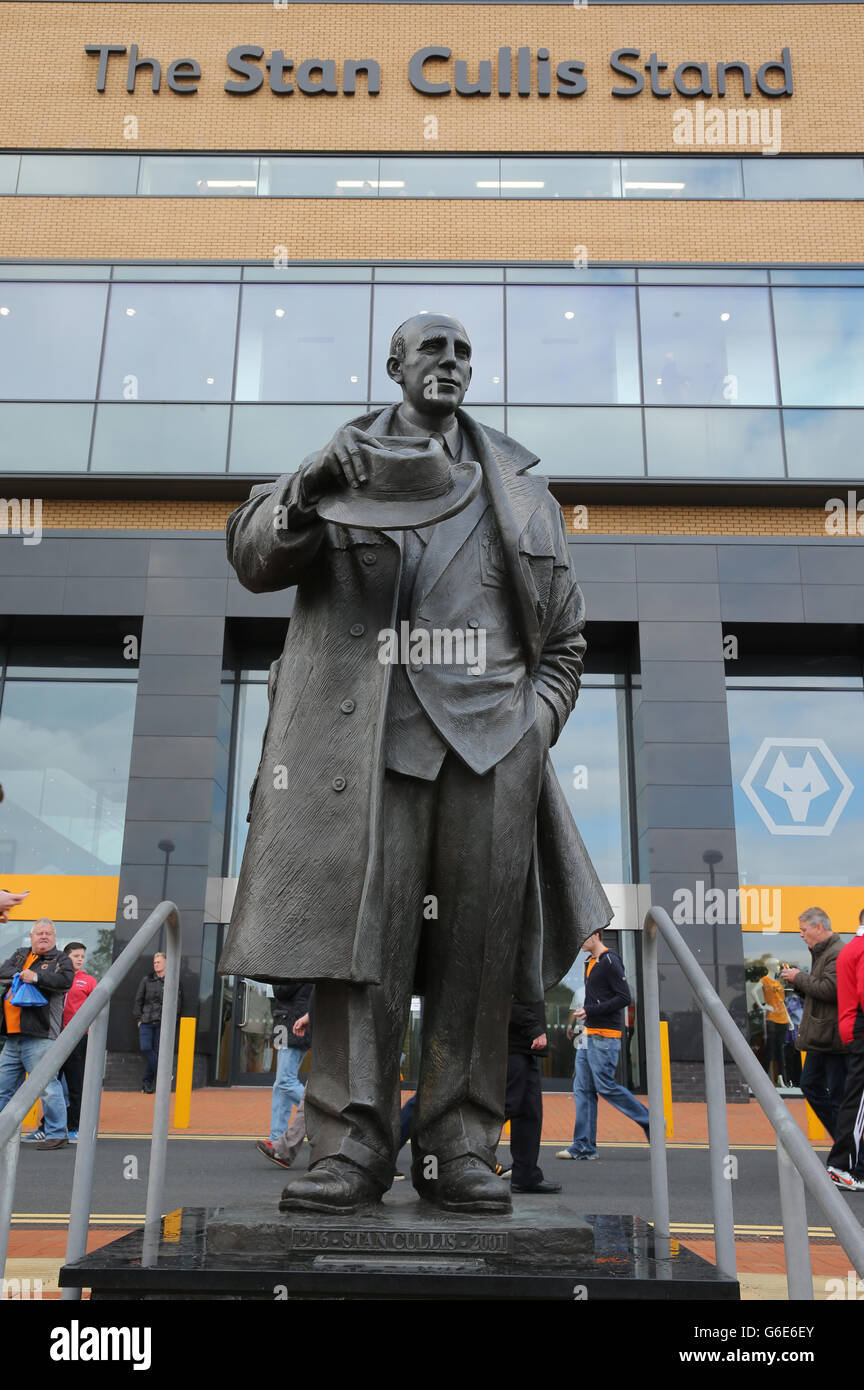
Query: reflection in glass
point(713, 443)
point(797, 784)
point(477, 306)
point(64, 749)
point(309, 177)
point(44, 438)
point(803, 178)
point(8, 172)
point(681, 178)
point(596, 785)
point(581, 442)
point(251, 722)
point(572, 346)
point(820, 345)
point(560, 178)
point(706, 347)
point(160, 439)
point(276, 438)
point(90, 175)
point(209, 176)
point(303, 343)
point(169, 343)
point(438, 178)
point(49, 341)
point(826, 442)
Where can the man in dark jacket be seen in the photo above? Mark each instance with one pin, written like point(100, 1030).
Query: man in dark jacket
point(290, 1003)
point(607, 994)
point(523, 1104)
point(147, 1009)
point(30, 1030)
point(823, 1078)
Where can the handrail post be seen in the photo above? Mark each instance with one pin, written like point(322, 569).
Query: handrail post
point(85, 1159)
point(162, 1108)
point(718, 1146)
point(659, 1173)
point(8, 1169)
point(793, 1210)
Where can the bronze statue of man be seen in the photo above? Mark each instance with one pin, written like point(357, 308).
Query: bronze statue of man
point(408, 833)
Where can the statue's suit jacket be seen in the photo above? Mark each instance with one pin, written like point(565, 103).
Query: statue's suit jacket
point(307, 899)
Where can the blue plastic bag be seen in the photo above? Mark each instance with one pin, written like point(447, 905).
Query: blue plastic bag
point(23, 994)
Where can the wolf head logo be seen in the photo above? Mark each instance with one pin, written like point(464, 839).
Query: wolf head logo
point(798, 786)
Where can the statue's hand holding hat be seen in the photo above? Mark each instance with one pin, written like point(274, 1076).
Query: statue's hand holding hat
point(398, 482)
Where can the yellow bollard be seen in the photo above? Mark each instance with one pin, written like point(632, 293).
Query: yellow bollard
point(666, 1073)
point(31, 1119)
point(505, 1133)
point(185, 1061)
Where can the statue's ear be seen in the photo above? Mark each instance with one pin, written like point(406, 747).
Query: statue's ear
point(394, 369)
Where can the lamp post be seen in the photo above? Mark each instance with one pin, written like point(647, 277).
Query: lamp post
point(167, 847)
point(712, 857)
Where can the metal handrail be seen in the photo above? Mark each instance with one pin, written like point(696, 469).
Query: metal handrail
point(93, 1015)
point(798, 1165)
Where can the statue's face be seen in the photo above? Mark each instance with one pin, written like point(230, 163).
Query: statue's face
point(435, 372)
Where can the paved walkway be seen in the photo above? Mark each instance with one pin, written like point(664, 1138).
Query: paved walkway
point(243, 1113)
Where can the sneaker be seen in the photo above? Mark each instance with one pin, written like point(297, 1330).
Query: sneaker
point(588, 1158)
point(266, 1148)
point(35, 1138)
point(565, 1153)
point(501, 1171)
point(72, 1136)
point(846, 1180)
point(398, 1177)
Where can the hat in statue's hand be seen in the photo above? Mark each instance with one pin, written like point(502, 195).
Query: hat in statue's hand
point(410, 482)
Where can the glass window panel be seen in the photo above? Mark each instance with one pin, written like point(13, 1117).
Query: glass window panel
point(178, 271)
point(707, 347)
point(49, 341)
point(478, 307)
point(820, 345)
point(430, 274)
point(713, 443)
point(438, 178)
point(64, 749)
point(307, 272)
point(569, 275)
point(681, 178)
point(341, 177)
point(587, 442)
point(599, 808)
point(276, 438)
point(170, 343)
point(44, 438)
point(52, 270)
point(798, 783)
point(114, 175)
point(49, 662)
point(560, 178)
point(572, 346)
point(303, 343)
point(98, 937)
point(251, 722)
point(824, 443)
point(190, 176)
point(705, 275)
point(8, 172)
point(803, 178)
point(818, 277)
point(134, 438)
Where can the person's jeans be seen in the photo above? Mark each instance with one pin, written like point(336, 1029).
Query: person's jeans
point(20, 1056)
point(148, 1042)
point(823, 1081)
point(288, 1090)
point(593, 1075)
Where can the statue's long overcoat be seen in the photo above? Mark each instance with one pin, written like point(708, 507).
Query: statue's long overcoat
point(306, 902)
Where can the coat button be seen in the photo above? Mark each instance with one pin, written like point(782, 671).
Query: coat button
point(338, 784)
point(369, 558)
point(416, 665)
point(347, 706)
point(357, 629)
point(472, 622)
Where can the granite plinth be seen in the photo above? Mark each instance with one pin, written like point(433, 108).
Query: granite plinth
point(401, 1250)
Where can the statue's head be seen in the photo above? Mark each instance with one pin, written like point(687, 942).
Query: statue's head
point(430, 358)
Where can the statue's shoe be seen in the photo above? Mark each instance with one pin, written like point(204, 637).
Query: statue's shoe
point(334, 1185)
point(464, 1185)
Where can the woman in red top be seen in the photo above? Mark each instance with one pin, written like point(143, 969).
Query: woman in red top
point(73, 1068)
